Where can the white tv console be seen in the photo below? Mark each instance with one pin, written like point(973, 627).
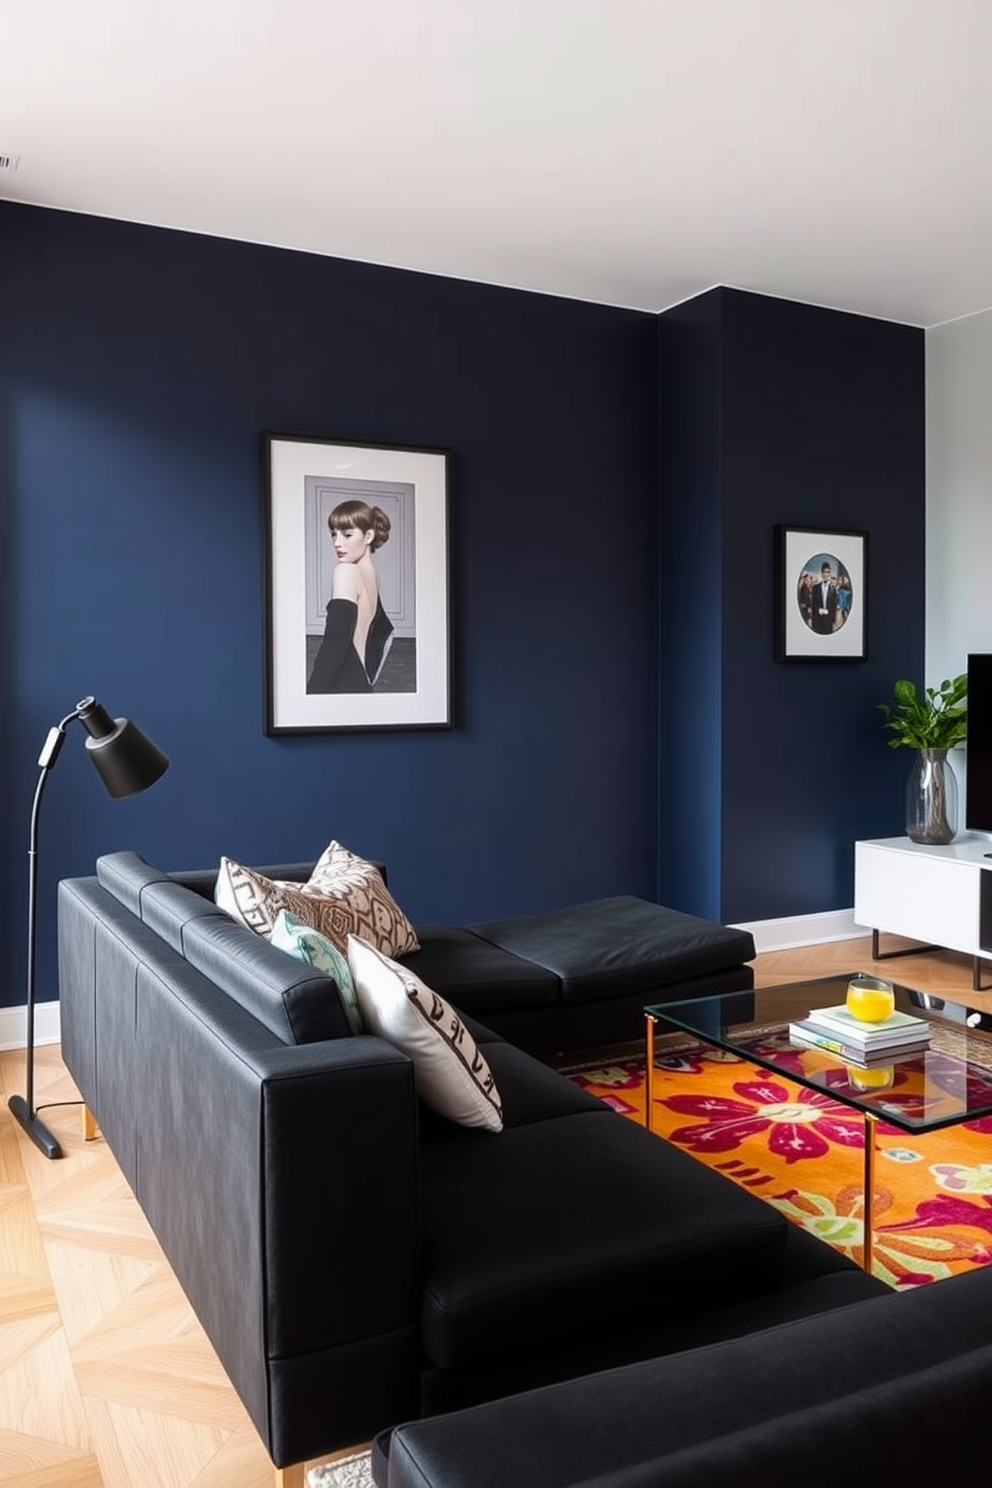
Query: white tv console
point(939, 895)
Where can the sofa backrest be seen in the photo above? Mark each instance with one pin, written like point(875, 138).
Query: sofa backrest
point(297, 1003)
point(894, 1432)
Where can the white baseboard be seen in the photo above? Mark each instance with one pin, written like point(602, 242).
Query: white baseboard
point(804, 930)
point(14, 1025)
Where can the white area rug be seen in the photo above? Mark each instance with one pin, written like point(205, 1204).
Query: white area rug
point(347, 1472)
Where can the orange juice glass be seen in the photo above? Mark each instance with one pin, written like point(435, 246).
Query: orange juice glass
point(870, 999)
point(879, 1078)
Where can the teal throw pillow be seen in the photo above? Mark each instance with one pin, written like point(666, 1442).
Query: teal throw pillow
point(292, 935)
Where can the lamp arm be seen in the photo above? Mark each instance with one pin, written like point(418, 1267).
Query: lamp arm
point(56, 738)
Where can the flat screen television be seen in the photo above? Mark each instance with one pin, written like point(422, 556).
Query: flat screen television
point(978, 774)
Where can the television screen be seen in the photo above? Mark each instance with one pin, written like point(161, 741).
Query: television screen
point(978, 778)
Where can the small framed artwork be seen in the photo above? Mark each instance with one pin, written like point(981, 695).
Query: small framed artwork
point(356, 585)
point(822, 594)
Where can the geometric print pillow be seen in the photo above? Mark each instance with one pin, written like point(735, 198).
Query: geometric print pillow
point(253, 899)
point(450, 1071)
point(344, 895)
point(365, 906)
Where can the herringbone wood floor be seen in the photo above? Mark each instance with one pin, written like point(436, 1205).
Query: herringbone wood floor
point(106, 1380)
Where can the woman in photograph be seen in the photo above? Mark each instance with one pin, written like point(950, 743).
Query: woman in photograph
point(358, 632)
point(843, 598)
point(806, 596)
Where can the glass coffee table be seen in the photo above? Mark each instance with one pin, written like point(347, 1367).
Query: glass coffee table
point(949, 1082)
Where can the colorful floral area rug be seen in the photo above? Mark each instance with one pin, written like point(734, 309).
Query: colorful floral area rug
point(803, 1151)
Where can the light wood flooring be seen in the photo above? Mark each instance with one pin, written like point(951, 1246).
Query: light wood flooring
point(106, 1380)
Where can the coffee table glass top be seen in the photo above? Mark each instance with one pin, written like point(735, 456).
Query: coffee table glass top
point(949, 1082)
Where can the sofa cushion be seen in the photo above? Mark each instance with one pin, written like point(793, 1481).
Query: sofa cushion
point(529, 1091)
point(126, 875)
point(297, 939)
point(478, 976)
point(570, 1225)
point(623, 944)
point(167, 908)
point(344, 895)
point(451, 1072)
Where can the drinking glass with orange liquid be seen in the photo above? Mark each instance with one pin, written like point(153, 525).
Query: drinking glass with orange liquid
point(879, 1078)
point(870, 999)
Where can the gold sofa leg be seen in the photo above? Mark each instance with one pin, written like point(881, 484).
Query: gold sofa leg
point(291, 1477)
point(90, 1128)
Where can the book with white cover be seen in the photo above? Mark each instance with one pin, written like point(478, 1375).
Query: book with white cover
point(809, 1036)
point(896, 1027)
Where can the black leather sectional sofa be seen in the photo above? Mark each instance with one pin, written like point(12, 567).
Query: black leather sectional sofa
point(358, 1261)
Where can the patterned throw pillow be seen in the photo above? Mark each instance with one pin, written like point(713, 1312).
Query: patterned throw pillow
point(293, 936)
point(450, 1070)
point(255, 901)
point(344, 895)
point(367, 908)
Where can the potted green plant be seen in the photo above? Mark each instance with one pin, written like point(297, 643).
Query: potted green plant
point(931, 722)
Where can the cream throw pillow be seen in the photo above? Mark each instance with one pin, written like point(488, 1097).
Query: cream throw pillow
point(451, 1073)
point(344, 895)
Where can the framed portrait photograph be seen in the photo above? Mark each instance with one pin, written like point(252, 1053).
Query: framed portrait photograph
point(822, 594)
point(356, 581)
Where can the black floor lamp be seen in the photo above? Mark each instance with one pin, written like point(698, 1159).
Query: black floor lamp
point(127, 762)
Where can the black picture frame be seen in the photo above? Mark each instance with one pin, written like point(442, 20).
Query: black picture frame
point(835, 630)
point(402, 679)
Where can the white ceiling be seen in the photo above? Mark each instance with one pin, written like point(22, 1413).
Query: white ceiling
point(633, 152)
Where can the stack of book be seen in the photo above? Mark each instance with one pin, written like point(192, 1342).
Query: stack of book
point(837, 1031)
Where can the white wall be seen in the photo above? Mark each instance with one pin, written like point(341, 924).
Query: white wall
point(959, 500)
point(959, 493)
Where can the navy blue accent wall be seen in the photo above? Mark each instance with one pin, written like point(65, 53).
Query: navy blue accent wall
point(621, 725)
point(138, 367)
point(819, 421)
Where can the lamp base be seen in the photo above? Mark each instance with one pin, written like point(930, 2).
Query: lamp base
point(34, 1126)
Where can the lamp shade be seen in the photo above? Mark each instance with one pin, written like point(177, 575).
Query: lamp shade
point(126, 759)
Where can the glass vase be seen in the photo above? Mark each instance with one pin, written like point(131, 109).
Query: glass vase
point(931, 798)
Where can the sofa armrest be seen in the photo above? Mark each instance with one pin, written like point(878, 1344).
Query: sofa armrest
point(282, 1185)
